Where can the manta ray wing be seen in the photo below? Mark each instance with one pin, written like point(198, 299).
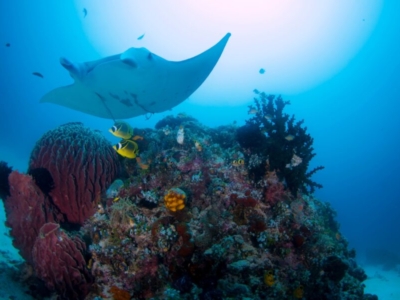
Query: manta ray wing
point(133, 83)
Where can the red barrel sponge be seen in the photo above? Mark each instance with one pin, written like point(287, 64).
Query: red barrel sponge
point(27, 210)
point(59, 261)
point(82, 164)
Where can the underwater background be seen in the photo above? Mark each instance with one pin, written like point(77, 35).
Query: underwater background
point(352, 113)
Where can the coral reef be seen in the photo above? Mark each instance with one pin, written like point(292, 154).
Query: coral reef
point(82, 164)
point(247, 228)
point(70, 168)
point(236, 237)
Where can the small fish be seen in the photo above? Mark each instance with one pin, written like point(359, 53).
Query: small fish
point(127, 148)
point(84, 12)
point(268, 117)
point(8, 44)
point(38, 74)
point(262, 71)
point(198, 146)
point(256, 91)
point(141, 164)
point(289, 137)
point(253, 111)
point(181, 115)
point(238, 162)
point(140, 37)
point(122, 130)
point(116, 199)
point(136, 137)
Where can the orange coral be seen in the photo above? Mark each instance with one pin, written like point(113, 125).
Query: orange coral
point(175, 199)
point(119, 294)
point(269, 278)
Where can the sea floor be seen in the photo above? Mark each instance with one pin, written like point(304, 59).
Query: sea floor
point(384, 284)
point(10, 287)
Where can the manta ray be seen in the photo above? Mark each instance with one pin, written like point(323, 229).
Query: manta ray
point(133, 83)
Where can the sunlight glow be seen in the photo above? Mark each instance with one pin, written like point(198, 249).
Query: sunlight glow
point(300, 44)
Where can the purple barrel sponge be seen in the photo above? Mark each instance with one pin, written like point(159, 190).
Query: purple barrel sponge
point(74, 165)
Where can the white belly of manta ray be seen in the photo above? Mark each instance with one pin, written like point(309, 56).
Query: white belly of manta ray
point(133, 83)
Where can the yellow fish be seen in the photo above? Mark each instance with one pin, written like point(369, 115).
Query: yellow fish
point(238, 162)
point(127, 148)
point(122, 130)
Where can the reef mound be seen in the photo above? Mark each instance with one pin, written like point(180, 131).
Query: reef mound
point(217, 213)
point(245, 231)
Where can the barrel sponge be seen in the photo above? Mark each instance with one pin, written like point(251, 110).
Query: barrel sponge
point(82, 164)
point(27, 210)
point(58, 259)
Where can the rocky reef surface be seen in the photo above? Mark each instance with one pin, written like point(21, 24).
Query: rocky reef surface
point(201, 213)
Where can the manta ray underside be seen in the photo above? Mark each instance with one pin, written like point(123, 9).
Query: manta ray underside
point(134, 83)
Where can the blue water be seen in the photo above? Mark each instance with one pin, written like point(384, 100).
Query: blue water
point(353, 117)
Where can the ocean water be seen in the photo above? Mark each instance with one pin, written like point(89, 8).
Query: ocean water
point(352, 114)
